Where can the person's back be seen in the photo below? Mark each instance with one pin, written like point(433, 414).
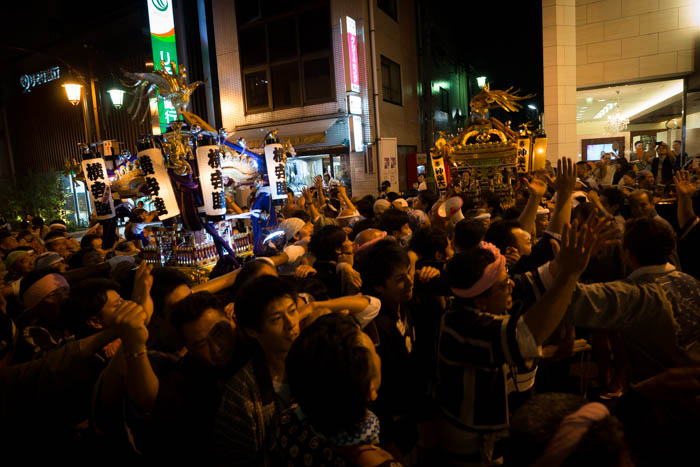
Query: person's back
point(674, 340)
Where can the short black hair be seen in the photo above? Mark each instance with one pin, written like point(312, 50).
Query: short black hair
point(468, 234)
point(84, 257)
point(255, 296)
point(86, 241)
point(614, 197)
point(37, 221)
point(379, 262)
point(57, 221)
point(641, 234)
point(330, 373)
point(535, 423)
point(582, 212)
point(86, 299)
point(364, 207)
point(192, 307)
point(326, 241)
point(165, 280)
point(501, 234)
point(392, 196)
point(249, 271)
point(493, 201)
point(426, 242)
point(393, 220)
point(5, 234)
point(466, 268)
point(301, 214)
point(638, 142)
point(428, 198)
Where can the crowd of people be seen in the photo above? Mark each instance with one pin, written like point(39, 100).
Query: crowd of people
point(371, 332)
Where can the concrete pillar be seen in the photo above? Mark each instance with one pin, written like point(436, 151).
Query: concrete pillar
point(559, 62)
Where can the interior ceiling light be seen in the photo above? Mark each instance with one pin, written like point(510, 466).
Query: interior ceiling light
point(617, 122)
point(604, 111)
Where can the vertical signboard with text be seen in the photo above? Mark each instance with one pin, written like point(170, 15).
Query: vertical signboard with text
point(350, 60)
point(276, 161)
point(388, 162)
point(162, 23)
point(98, 185)
point(158, 183)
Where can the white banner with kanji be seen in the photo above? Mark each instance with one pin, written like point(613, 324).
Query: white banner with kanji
point(158, 183)
point(276, 161)
point(211, 180)
point(98, 185)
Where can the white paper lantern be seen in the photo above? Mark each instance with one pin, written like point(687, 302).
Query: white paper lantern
point(158, 183)
point(276, 161)
point(98, 185)
point(211, 179)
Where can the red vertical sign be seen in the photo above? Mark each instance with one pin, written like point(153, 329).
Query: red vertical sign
point(352, 69)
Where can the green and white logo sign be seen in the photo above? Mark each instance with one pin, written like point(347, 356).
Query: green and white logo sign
point(161, 5)
point(162, 23)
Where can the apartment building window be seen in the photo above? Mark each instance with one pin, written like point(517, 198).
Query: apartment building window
point(391, 81)
point(388, 7)
point(444, 100)
point(286, 53)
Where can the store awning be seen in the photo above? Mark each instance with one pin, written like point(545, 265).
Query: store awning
point(297, 133)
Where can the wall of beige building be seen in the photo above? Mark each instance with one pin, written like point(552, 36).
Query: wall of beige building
point(559, 77)
point(630, 40)
point(615, 41)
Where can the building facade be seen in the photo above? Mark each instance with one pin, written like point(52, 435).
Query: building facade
point(619, 72)
point(295, 70)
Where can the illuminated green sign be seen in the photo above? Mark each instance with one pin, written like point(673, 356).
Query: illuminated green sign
point(160, 17)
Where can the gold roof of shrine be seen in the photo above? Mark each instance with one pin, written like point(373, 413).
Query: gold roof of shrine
point(487, 141)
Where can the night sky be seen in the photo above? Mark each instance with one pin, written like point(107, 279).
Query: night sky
point(502, 41)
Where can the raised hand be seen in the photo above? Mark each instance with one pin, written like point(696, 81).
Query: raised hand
point(566, 178)
point(684, 186)
point(130, 322)
point(512, 256)
point(575, 251)
point(351, 279)
point(537, 187)
point(143, 281)
point(427, 273)
point(306, 194)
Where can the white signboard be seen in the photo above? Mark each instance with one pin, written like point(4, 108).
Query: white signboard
point(211, 180)
point(354, 105)
point(356, 136)
point(98, 185)
point(388, 162)
point(276, 160)
point(158, 183)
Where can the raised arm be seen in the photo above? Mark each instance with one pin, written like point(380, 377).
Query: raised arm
point(309, 202)
point(537, 189)
point(218, 284)
point(544, 316)
point(564, 186)
point(685, 190)
point(342, 194)
point(140, 380)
